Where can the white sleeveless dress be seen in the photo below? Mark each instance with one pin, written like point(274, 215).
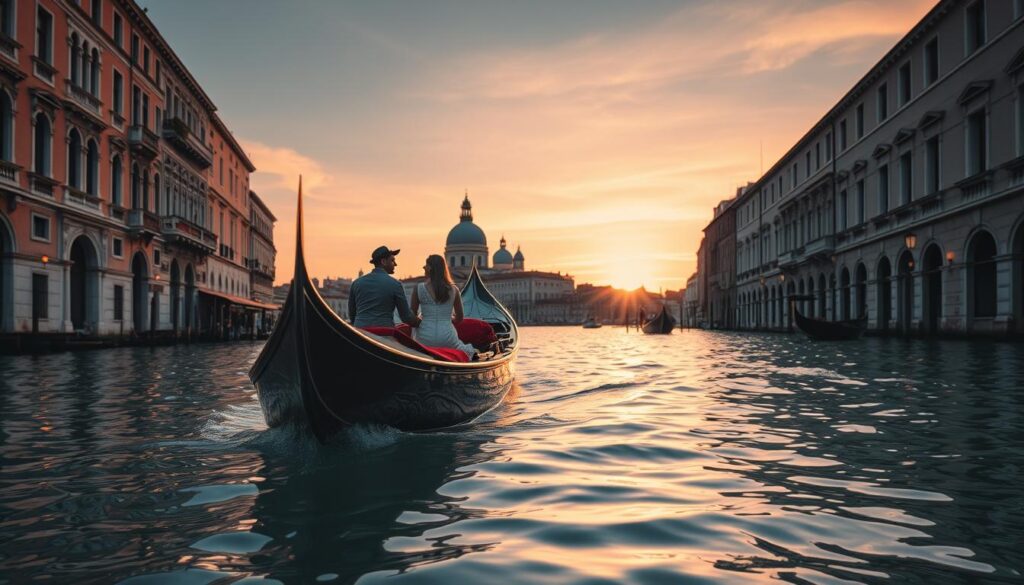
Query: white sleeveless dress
point(436, 329)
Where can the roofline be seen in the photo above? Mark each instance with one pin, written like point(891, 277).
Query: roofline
point(231, 140)
point(256, 199)
point(899, 48)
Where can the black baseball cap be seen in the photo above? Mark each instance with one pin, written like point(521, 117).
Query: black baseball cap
point(382, 253)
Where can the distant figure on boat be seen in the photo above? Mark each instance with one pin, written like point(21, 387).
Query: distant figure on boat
point(439, 302)
point(375, 297)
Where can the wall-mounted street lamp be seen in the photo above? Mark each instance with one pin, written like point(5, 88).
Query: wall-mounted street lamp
point(762, 281)
point(833, 258)
point(45, 259)
point(782, 278)
point(910, 240)
point(950, 256)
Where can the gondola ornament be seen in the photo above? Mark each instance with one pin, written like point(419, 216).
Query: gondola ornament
point(319, 371)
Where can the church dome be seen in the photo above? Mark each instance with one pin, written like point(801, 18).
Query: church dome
point(466, 232)
point(502, 256)
point(519, 255)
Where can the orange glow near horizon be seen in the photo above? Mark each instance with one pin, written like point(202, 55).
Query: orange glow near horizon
point(600, 151)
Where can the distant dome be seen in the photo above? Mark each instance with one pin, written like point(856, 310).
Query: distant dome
point(466, 232)
point(519, 255)
point(502, 256)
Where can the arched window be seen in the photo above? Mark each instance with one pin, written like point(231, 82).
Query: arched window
point(145, 190)
point(94, 73)
point(76, 55)
point(6, 127)
point(85, 66)
point(116, 171)
point(75, 159)
point(41, 164)
point(92, 168)
point(156, 194)
point(136, 188)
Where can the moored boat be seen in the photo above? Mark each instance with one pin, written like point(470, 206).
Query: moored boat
point(317, 369)
point(661, 323)
point(822, 330)
point(591, 323)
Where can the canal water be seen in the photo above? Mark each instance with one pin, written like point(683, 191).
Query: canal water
point(699, 457)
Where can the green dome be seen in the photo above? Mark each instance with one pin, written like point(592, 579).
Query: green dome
point(502, 256)
point(466, 232)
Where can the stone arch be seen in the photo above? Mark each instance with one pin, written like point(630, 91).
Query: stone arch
point(883, 284)
point(175, 296)
point(844, 295)
point(860, 280)
point(931, 297)
point(140, 288)
point(42, 147)
point(981, 275)
point(8, 245)
point(822, 304)
point(190, 293)
point(84, 284)
point(905, 289)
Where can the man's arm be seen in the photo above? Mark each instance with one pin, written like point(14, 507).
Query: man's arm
point(403, 306)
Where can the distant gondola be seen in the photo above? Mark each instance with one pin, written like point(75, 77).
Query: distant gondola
point(822, 330)
point(661, 323)
point(319, 370)
point(591, 323)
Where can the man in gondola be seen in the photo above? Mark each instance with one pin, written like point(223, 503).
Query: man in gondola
point(375, 296)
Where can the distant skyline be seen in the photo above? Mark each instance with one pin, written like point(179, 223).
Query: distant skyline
point(597, 135)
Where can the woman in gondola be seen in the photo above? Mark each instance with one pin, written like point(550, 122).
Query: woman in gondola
point(439, 302)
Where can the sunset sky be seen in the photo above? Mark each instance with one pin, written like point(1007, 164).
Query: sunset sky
point(596, 134)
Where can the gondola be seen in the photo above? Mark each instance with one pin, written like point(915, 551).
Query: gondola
point(591, 323)
point(316, 369)
point(660, 324)
point(822, 330)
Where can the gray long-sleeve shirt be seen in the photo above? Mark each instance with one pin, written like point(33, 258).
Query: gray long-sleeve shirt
point(373, 299)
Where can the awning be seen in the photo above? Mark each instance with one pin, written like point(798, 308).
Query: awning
point(239, 300)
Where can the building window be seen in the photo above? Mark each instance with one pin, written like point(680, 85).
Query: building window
point(118, 93)
point(44, 36)
point(1018, 8)
point(904, 84)
point(136, 105)
point(156, 257)
point(974, 27)
point(807, 169)
point(41, 164)
point(842, 209)
point(795, 174)
point(817, 155)
point(860, 201)
point(135, 48)
point(40, 228)
point(92, 168)
point(116, 171)
point(74, 159)
point(842, 135)
point(931, 62)
point(158, 72)
point(859, 121)
point(97, 13)
point(145, 60)
point(828, 147)
point(883, 189)
point(906, 178)
point(118, 31)
point(117, 247)
point(883, 102)
point(931, 165)
point(7, 18)
point(1020, 119)
point(118, 302)
point(6, 126)
point(977, 143)
point(40, 296)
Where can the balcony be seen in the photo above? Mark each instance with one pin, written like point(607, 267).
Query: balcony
point(41, 184)
point(182, 232)
point(823, 246)
point(142, 223)
point(81, 199)
point(227, 252)
point(83, 98)
point(178, 134)
point(790, 258)
point(9, 172)
point(144, 142)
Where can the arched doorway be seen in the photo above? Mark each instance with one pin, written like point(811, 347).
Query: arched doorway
point(844, 283)
point(860, 277)
point(190, 291)
point(800, 304)
point(905, 288)
point(84, 285)
point(981, 276)
point(931, 266)
point(175, 297)
point(1018, 278)
point(809, 303)
point(6, 276)
point(884, 293)
point(834, 291)
point(140, 285)
point(822, 306)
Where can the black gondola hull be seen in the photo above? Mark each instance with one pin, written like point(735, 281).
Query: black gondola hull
point(661, 324)
point(821, 330)
point(320, 371)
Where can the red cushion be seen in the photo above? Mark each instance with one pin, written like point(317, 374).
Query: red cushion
point(477, 333)
point(445, 354)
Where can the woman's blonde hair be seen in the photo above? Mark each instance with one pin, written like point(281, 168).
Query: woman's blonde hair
point(439, 279)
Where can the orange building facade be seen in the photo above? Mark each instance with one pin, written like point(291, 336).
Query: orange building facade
point(124, 203)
